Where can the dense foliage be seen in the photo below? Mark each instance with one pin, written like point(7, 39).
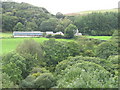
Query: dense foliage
point(97, 23)
point(20, 17)
point(81, 63)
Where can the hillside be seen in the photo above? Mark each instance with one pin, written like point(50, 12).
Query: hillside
point(26, 17)
point(91, 11)
point(26, 14)
point(14, 8)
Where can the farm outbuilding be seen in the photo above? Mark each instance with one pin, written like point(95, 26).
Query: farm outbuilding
point(27, 34)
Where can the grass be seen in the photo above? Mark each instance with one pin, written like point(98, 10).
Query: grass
point(8, 44)
point(100, 37)
point(11, 43)
point(5, 34)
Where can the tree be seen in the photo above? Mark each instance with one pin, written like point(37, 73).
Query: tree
point(15, 66)
point(8, 22)
point(31, 26)
point(45, 80)
point(6, 81)
point(97, 23)
point(59, 15)
point(87, 45)
point(59, 27)
point(38, 78)
point(56, 51)
point(70, 61)
point(30, 47)
point(49, 25)
point(13, 71)
point(32, 52)
point(86, 75)
point(18, 60)
point(106, 49)
point(70, 31)
point(115, 36)
point(19, 27)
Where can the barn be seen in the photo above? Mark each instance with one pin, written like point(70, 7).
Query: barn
point(27, 34)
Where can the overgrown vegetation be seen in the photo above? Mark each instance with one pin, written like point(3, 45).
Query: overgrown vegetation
point(20, 17)
point(81, 63)
point(84, 63)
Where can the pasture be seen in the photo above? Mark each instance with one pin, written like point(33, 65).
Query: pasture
point(6, 35)
point(8, 44)
point(100, 37)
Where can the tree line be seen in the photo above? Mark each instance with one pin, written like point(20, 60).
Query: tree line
point(26, 17)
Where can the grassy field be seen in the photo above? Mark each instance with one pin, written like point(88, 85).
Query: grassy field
point(100, 37)
point(11, 43)
point(8, 44)
point(5, 34)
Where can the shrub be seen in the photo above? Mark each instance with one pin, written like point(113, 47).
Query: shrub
point(106, 49)
point(86, 75)
point(28, 82)
point(6, 81)
point(45, 80)
point(49, 36)
point(58, 36)
point(15, 63)
point(78, 59)
point(114, 64)
point(38, 78)
point(30, 47)
point(87, 46)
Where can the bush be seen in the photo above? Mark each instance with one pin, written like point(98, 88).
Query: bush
point(39, 70)
point(106, 49)
point(28, 82)
point(31, 47)
point(38, 78)
point(49, 36)
point(56, 51)
point(45, 80)
point(13, 62)
point(114, 64)
point(87, 46)
point(32, 52)
point(6, 81)
point(86, 75)
point(78, 59)
point(58, 36)
point(70, 31)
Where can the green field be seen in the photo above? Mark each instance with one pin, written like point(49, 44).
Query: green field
point(5, 34)
point(8, 44)
point(11, 43)
point(100, 37)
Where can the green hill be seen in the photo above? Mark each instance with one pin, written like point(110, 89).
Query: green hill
point(92, 11)
point(14, 8)
point(27, 14)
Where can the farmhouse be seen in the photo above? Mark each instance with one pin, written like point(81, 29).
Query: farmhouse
point(38, 33)
point(59, 33)
point(49, 32)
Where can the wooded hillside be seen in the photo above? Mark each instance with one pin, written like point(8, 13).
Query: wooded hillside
point(26, 17)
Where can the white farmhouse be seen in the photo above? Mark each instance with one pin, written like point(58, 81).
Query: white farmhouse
point(49, 32)
point(60, 33)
